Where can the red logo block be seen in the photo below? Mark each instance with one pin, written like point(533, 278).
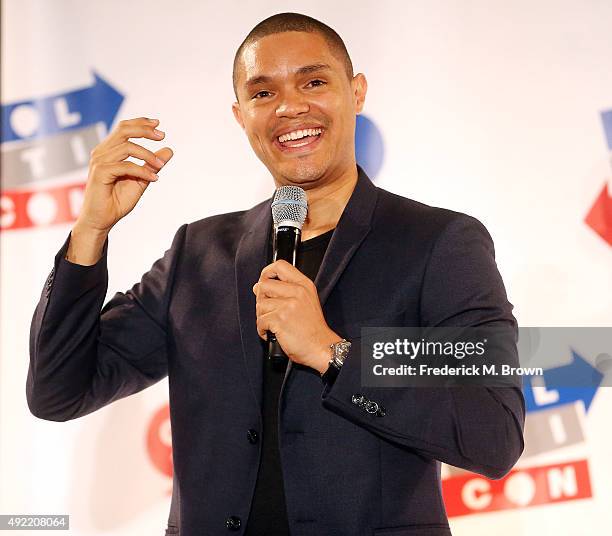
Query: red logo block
point(159, 441)
point(472, 494)
point(599, 217)
point(24, 209)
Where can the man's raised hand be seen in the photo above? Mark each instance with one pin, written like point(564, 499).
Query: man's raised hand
point(115, 185)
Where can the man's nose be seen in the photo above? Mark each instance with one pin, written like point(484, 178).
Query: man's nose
point(292, 103)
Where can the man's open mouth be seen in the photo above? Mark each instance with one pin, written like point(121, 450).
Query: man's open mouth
point(299, 138)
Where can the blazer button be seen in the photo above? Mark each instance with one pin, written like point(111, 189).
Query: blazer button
point(358, 400)
point(233, 523)
point(252, 436)
point(371, 407)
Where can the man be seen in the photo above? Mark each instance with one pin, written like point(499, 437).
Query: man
point(348, 460)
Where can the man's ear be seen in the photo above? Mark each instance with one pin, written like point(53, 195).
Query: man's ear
point(360, 88)
point(237, 114)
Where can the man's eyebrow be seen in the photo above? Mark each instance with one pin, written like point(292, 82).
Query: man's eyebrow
point(313, 68)
point(306, 69)
point(256, 80)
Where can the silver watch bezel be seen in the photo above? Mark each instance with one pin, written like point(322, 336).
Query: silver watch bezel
point(340, 351)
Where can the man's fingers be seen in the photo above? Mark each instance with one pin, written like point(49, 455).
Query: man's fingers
point(125, 132)
point(285, 272)
point(139, 121)
point(164, 155)
point(266, 322)
point(131, 128)
point(120, 169)
point(270, 305)
point(274, 288)
point(126, 149)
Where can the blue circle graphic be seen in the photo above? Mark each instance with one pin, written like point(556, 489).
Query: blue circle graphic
point(369, 146)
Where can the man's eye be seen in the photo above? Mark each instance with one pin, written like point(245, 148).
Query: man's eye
point(316, 83)
point(261, 94)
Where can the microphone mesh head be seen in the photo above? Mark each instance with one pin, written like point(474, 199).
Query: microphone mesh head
point(290, 206)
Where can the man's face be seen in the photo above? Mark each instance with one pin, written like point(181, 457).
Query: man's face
point(290, 85)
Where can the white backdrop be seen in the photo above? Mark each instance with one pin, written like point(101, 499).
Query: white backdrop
point(490, 108)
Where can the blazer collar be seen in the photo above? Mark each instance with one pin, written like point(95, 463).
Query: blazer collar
point(251, 257)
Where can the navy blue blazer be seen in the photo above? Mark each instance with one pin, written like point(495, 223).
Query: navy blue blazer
point(391, 262)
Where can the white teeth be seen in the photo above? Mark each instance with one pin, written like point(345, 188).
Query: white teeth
point(297, 134)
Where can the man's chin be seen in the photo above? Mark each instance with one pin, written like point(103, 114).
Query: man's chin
point(305, 175)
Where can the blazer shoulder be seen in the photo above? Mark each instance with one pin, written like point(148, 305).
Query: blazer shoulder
point(225, 229)
point(408, 215)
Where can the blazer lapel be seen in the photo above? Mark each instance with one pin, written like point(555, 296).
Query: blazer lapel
point(352, 228)
point(251, 257)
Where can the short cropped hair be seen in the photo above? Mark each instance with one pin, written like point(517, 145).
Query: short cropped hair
point(294, 22)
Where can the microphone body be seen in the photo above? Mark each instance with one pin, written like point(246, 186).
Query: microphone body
point(285, 242)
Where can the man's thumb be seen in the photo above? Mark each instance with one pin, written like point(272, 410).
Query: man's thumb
point(164, 154)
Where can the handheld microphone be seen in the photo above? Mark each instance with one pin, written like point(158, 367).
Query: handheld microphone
point(289, 209)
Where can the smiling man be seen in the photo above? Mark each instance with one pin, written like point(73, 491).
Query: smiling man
point(297, 101)
point(306, 449)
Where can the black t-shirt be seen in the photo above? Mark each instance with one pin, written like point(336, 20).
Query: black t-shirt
point(269, 512)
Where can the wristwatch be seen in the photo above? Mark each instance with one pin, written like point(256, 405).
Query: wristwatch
point(340, 352)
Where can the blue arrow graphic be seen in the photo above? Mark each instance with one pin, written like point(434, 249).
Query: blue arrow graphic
point(576, 381)
point(97, 103)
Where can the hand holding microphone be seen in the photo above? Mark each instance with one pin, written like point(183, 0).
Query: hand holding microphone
point(288, 308)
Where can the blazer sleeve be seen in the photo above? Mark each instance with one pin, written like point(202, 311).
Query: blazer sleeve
point(83, 357)
point(475, 428)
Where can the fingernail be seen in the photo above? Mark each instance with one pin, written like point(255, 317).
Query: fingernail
point(154, 121)
point(160, 162)
point(158, 133)
point(155, 177)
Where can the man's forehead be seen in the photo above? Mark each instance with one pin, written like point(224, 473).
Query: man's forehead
point(287, 52)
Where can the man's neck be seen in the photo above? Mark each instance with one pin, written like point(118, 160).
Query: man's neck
point(326, 204)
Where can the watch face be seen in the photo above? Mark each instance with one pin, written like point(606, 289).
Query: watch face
point(344, 346)
point(341, 350)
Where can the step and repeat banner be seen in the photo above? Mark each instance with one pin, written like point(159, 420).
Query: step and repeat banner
point(499, 109)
